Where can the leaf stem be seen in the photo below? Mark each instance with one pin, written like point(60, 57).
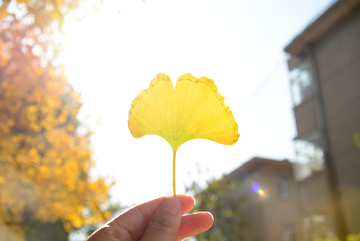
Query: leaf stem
point(174, 167)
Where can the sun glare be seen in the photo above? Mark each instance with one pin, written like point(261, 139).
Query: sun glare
point(114, 53)
point(120, 35)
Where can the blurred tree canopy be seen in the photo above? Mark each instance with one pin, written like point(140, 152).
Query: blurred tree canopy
point(224, 205)
point(45, 156)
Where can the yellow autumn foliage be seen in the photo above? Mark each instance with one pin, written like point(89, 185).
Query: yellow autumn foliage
point(44, 160)
point(13, 233)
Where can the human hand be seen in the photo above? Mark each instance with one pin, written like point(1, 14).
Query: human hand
point(160, 219)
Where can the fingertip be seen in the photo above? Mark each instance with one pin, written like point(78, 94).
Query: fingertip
point(210, 215)
point(171, 205)
point(194, 224)
point(207, 218)
point(193, 200)
point(186, 197)
point(187, 202)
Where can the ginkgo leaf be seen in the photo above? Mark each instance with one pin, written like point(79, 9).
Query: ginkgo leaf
point(193, 110)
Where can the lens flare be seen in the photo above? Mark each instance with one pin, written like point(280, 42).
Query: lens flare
point(256, 188)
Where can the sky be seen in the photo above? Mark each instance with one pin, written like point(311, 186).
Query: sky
point(112, 55)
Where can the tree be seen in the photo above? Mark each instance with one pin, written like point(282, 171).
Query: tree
point(219, 199)
point(45, 156)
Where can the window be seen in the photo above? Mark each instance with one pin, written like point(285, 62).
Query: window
point(284, 187)
point(310, 157)
point(301, 86)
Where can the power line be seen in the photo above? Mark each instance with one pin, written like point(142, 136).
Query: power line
point(263, 83)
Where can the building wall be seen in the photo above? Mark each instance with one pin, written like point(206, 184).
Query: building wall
point(337, 57)
point(251, 210)
point(279, 212)
point(305, 117)
point(267, 216)
point(315, 193)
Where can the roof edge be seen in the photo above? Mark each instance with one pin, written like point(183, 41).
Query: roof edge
point(320, 26)
point(254, 163)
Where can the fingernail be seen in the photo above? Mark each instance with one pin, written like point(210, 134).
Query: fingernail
point(171, 204)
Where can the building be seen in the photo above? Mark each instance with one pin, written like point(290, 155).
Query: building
point(269, 199)
point(324, 67)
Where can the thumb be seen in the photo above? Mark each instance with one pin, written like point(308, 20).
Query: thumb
point(164, 224)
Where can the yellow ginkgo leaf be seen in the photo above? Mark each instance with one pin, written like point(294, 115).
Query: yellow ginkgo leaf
point(193, 110)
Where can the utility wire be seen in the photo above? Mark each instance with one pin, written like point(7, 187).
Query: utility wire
point(263, 83)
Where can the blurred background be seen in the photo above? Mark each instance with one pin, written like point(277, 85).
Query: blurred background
point(289, 71)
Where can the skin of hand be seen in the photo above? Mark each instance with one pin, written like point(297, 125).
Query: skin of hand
point(161, 219)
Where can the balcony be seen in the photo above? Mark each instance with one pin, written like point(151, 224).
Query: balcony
point(310, 157)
